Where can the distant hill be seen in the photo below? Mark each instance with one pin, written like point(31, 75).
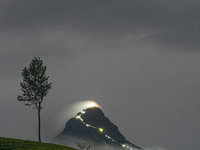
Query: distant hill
point(16, 144)
point(92, 125)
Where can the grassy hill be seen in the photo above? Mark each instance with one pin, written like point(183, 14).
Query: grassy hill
point(15, 144)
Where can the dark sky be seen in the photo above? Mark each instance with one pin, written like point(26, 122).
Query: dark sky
point(138, 59)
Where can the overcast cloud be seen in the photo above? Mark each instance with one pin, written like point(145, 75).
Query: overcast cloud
point(138, 59)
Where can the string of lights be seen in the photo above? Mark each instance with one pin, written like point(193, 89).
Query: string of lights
point(101, 130)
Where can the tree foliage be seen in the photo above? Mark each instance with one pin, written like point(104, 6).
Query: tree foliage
point(35, 86)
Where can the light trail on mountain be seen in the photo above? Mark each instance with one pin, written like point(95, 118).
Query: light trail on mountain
point(101, 130)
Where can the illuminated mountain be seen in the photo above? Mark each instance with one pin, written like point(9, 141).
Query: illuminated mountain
point(92, 125)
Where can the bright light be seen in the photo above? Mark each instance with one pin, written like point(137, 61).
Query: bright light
point(83, 112)
point(89, 104)
point(87, 125)
point(123, 145)
point(78, 117)
point(70, 111)
point(101, 130)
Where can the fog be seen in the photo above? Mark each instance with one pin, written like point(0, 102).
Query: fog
point(138, 59)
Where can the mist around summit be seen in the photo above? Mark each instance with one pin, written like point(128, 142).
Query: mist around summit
point(92, 126)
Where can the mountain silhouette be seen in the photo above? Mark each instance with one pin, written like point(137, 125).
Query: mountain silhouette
point(91, 124)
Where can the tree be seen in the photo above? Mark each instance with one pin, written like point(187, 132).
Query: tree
point(83, 145)
point(35, 87)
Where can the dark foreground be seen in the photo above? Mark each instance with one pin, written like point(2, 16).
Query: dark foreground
point(16, 144)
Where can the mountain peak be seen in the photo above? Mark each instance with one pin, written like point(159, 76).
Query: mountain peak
point(92, 124)
point(91, 112)
point(92, 115)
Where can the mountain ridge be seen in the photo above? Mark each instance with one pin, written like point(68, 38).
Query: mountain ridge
point(91, 124)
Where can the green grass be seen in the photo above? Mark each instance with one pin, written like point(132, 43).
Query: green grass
point(15, 144)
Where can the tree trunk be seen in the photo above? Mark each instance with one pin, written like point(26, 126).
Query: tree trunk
point(39, 125)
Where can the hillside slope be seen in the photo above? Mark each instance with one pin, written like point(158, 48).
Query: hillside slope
point(15, 144)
